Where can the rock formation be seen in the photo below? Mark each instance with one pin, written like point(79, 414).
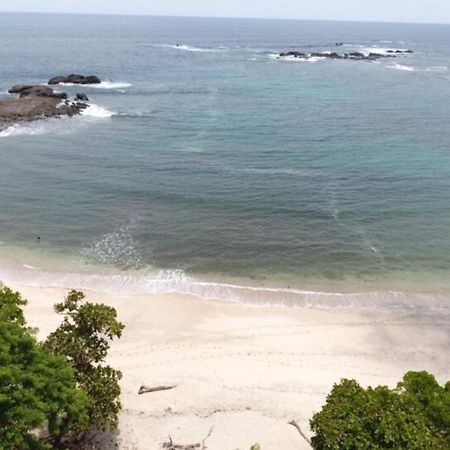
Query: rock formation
point(75, 79)
point(35, 103)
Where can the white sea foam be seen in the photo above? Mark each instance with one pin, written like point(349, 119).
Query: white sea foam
point(436, 69)
point(111, 85)
point(28, 266)
point(418, 69)
point(37, 128)
point(189, 48)
point(176, 281)
point(118, 247)
point(353, 45)
point(386, 51)
point(134, 114)
point(18, 130)
point(307, 59)
point(107, 84)
point(96, 111)
point(402, 67)
point(58, 125)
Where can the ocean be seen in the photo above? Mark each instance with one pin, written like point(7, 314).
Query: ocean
point(207, 165)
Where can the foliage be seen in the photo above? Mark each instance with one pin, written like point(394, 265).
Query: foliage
point(11, 304)
point(414, 416)
point(37, 388)
point(84, 338)
point(425, 393)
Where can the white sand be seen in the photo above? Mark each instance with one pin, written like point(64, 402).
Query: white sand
point(247, 371)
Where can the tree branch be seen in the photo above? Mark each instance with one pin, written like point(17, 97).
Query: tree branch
point(297, 426)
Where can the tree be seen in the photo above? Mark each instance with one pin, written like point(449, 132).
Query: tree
point(37, 388)
point(411, 417)
point(84, 338)
point(425, 393)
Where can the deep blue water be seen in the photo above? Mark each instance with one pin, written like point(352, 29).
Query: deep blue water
point(219, 160)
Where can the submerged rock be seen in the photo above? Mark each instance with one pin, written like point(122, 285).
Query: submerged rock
point(75, 79)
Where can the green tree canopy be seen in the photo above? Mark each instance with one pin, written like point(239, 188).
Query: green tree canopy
point(414, 416)
point(37, 388)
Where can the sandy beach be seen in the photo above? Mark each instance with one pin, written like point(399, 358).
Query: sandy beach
point(244, 372)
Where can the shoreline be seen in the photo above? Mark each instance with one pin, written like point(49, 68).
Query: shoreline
point(246, 371)
point(40, 269)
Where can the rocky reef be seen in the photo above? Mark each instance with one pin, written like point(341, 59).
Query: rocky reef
point(355, 56)
point(36, 103)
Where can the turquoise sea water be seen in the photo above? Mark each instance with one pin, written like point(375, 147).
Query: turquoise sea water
point(213, 165)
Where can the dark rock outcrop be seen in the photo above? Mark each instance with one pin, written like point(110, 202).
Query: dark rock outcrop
point(81, 96)
point(37, 91)
point(18, 88)
point(75, 79)
point(34, 103)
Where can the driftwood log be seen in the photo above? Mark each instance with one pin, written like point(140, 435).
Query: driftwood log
point(297, 426)
point(146, 389)
point(198, 446)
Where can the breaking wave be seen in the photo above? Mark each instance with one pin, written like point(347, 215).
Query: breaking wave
point(96, 111)
point(107, 84)
point(111, 85)
point(402, 67)
point(148, 281)
point(37, 128)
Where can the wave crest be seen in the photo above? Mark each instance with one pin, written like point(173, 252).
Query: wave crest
point(94, 110)
point(37, 128)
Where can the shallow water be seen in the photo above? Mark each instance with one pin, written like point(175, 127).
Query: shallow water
point(214, 161)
